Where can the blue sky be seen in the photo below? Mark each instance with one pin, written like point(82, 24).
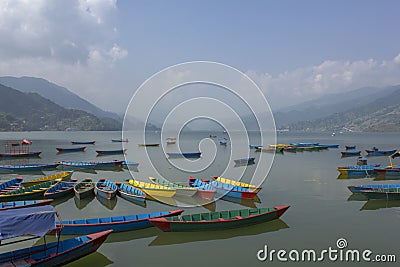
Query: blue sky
point(295, 50)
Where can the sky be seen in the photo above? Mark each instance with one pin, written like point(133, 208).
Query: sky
point(103, 50)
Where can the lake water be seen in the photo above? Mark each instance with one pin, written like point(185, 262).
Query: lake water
point(322, 209)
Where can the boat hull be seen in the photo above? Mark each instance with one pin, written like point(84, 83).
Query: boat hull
point(109, 191)
point(24, 204)
point(20, 155)
point(110, 152)
point(84, 189)
point(382, 194)
point(380, 152)
point(206, 194)
point(64, 176)
point(184, 155)
point(218, 224)
point(350, 153)
point(68, 150)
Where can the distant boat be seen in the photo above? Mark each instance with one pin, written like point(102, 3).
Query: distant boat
point(359, 188)
point(223, 143)
point(110, 152)
point(350, 147)
point(83, 143)
point(350, 153)
point(119, 140)
point(388, 171)
point(357, 170)
point(377, 152)
point(185, 155)
point(73, 149)
point(106, 189)
point(244, 161)
point(20, 155)
point(127, 163)
point(28, 167)
point(84, 189)
point(330, 145)
point(155, 144)
point(24, 204)
point(218, 220)
point(74, 165)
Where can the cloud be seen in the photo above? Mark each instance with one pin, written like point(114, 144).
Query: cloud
point(70, 42)
point(330, 76)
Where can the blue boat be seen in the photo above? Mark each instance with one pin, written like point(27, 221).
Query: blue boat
point(24, 204)
point(223, 143)
point(110, 152)
point(185, 155)
point(37, 221)
point(244, 161)
point(11, 185)
point(224, 189)
point(329, 145)
point(68, 150)
point(119, 140)
point(358, 170)
point(131, 193)
point(83, 143)
point(116, 223)
point(350, 147)
point(76, 165)
point(27, 167)
point(61, 189)
point(377, 152)
point(106, 189)
point(351, 153)
point(360, 188)
point(20, 155)
point(305, 144)
point(127, 163)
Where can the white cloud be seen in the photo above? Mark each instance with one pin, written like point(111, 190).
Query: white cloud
point(330, 76)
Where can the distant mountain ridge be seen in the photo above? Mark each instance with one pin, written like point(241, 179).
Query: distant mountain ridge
point(57, 94)
point(31, 112)
point(382, 114)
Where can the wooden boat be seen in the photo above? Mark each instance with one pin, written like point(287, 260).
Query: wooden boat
point(28, 167)
point(350, 147)
point(119, 140)
point(105, 188)
point(388, 171)
point(269, 150)
point(130, 193)
point(76, 165)
point(225, 189)
point(20, 155)
point(218, 220)
point(24, 204)
point(377, 152)
point(110, 152)
point(204, 190)
point(181, 190)
point(382, 193)
point(84, 189)
point(185, 155)
point(115, 223)
point(31, 192)
point(290, 149)
point(132, 164)
point(153, 190)
point(83, 143)
point(329, 145)
point(11, 185)
point(244, 161)
point(359, 188)
point(72, 149)
point(305, 144)
point(62, 176)
point(155, 144)
point(37, 221)
point(236, 183)
point(108, 164)
point(357, 170)
point(350, 153)
point(61, 189)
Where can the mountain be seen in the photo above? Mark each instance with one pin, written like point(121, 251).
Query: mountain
point(330, 104)
point(382, 114)
point(31, 112)
point(57, 94)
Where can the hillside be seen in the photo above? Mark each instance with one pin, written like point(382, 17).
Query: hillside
point(31, 112)
point(382, 114)
point(57, 94)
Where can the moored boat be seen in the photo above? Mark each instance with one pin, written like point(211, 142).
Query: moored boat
point(236, 183)
point(382, 193)
point(130, 193)
point(359, 188)
point(218, 220)
point(358, 170)
point(377, 152)
point(150, 144)
point(329, 145)
point(181, 190)
point(11, 185)
point(31, 192)
point(388, 171)
point(204, 190)
point(62, 176)
point(153, 190)
point(350, 147)
point(76, 165)
point(84, 189)
point(83, 142)
point(105, 188)
point(24, 204)
point(61, 189)
point(115, 223)
point(71, 149)
point(28, 167)
point(110, 152)
point(350, 153)
point(184, 155)
point(20, 155)
point(120, 140)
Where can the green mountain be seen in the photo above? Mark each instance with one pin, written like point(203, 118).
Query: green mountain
point(31, 112)
point(382, 114)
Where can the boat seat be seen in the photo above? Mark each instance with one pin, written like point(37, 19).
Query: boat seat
point(244, 213)
point(215, 215)
point(206, 216)
point(131, 218)
point(142, 216)
point(92, 221)
point(225, 215)
point(117, 219)
point(79, 222)
point(105, 220)
point(234, 213)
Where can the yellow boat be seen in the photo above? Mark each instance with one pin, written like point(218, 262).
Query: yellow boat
point(62, 176)
point(153, 190)
point(236, 183)
point(278, 145)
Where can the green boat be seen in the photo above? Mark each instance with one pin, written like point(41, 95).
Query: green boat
point(218, 220)
point(32, 192)
point(181, 190)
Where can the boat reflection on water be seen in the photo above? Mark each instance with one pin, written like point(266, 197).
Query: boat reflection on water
point(385, 178)
point(195, 201)
point(82, 203)
point(59, 201)
point(165, 200)
point(94, 259)
point(241, 164)
point(357, 197)
point(108, 203)
point(136, 202)
point(170, 238)
point(132, 235)
point(351, 177)
point(375, 204)
point(251, 203)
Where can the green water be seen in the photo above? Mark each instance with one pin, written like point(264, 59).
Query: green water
point(322, 208)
